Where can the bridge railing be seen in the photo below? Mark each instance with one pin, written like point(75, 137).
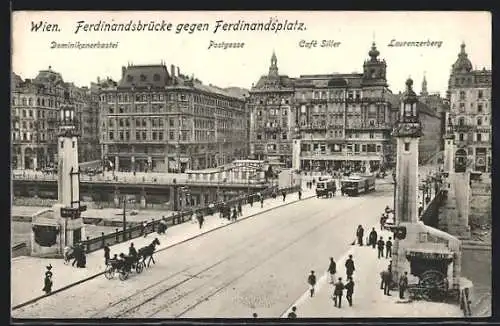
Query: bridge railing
point(136, 231)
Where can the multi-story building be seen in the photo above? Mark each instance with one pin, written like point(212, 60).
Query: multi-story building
point(343, 120)
point(34, 106)
point(437, 104)
point(272, 116)
point(159, 120)
point(470, 112)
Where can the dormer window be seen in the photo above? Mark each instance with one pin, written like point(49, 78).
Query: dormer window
point(156, 77)
point(143, 77)
point(130, 78)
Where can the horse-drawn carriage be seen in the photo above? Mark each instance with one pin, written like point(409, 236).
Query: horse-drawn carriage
point(124, 267)
point(128, 263)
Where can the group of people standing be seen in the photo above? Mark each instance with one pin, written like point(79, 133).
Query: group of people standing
point(77, 253)
point(338, 286)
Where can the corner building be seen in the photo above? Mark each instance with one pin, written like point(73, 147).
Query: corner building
point(159, 120)
point(35, 107)
point(343, 120)
point(470, 113)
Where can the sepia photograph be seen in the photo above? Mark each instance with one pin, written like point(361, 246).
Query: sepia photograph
point(250, 164)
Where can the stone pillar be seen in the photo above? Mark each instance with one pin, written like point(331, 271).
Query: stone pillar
point(116, 198)
point(449, 153)
point(35, 162)
point(143, 199)
point(132, 163)
point(166, 163)
point(171, 198)
point(296, 154)
point(407, 181)
point(117, 163)
point(23, 159)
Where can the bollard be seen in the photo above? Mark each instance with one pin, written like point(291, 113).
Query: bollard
point(116, 235)
point(102, 239)
point(153, 225)
point(87, 244)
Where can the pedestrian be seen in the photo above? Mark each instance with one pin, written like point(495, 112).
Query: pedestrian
point(387, 210)
point(240, 209)
point(200, 219)
point(144, 228)
point(380, 246)
point(47, 288)
point(349, 266)
point(403, 285)
point(311, 280)
point(382, 222)
point(337, 293)
point(193, 217)
point(235, 214)
point(332, 269)
point(250, 200)
point(83, 258)
point(293, 314)
point(106, 254)
point(386, 279)
point(350, 290)
point(76, 255)
point(261, 201)
point(359, 234)
point(372, 237)
point(283, 193)
point(388, 248)
point(300, 194)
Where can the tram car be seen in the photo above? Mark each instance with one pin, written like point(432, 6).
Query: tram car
point(326, 187)
point(355, 185)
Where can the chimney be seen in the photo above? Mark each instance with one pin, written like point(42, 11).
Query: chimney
point(178, 71)
point(172, 70)
point(123, 71)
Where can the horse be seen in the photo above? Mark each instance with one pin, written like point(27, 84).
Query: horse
point(148, 251)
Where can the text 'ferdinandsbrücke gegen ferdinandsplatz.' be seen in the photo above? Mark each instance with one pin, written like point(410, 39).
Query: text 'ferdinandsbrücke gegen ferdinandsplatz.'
point(273, 24)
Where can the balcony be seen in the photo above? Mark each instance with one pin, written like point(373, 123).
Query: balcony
point(384, 126)
point(463, 128)
point(311, 127)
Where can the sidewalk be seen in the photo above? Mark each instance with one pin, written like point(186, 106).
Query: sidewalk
point(27, 273)
point(368, 299)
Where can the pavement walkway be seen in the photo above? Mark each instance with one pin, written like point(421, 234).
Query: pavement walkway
point(368, 300)
point(27, 273)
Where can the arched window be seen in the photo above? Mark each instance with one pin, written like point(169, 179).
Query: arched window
point(461, 121)
point(479, 121)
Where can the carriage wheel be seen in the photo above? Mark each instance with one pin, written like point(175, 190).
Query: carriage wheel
point(109, 272)
point(139, 267)
point(123, 275)
point(433, 285)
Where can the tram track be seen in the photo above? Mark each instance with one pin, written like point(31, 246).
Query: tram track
point(216, 280)
point(242, 246)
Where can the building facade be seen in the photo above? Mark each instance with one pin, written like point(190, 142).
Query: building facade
point(159, 120)
point(470, 112)
point(272, 117)
point(342, 120)
point(34, 113)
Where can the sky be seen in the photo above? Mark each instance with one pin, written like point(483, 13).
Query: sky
point(240, 67)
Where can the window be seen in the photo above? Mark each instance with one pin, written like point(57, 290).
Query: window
point(171, 122)
point(130, 78)
point(156, 77)
point(127, 135)
point(372, 135)
point(155, 135)
point(461, 137)
point(284, 136)
point(110, 110)
point(171, 135)
point(137, 135)
point(160, 135)
point(462, 107)
point(407, 147)
point(31, 113)
point(274, 136)
point(111, 136)
point(461, 121)
point(143, 77)
point(259, 137)
point(479, 107)
point(462, 95)
point(121, 135)
point(480, 94)
point(144, 136)
point(479, 121)
point(478, 137)
point(24, 113)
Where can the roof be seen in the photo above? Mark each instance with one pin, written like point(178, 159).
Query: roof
point(283, 81)
point(145, 76)
point(48, 76)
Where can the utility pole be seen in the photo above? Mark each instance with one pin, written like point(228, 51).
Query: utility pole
point(124, 218)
